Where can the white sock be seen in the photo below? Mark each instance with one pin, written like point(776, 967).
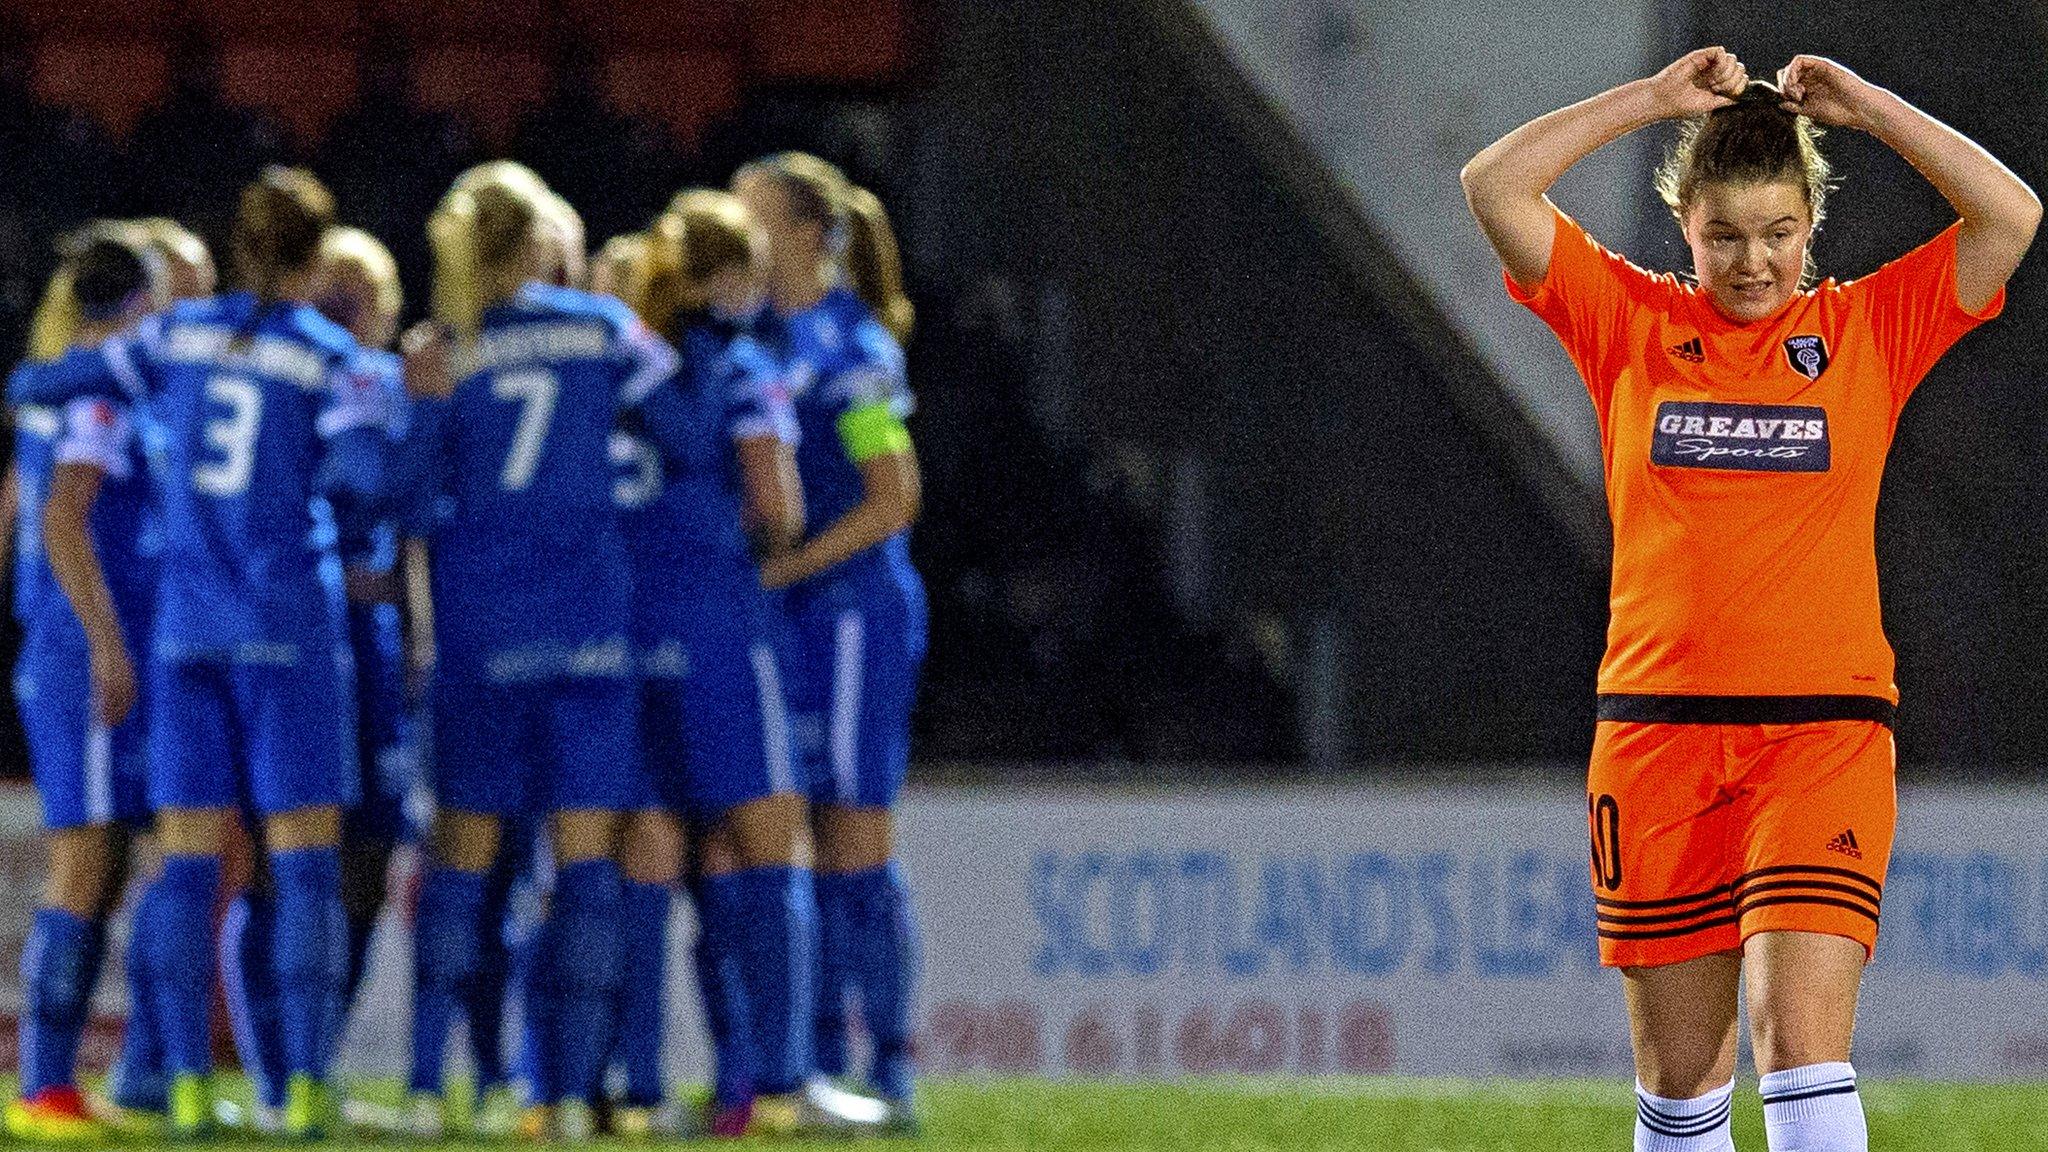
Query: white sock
point(1696, 1125)
point(1814, 1108)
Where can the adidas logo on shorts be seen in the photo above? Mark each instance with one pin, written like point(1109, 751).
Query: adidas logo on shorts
point(1846, 845)
point(1692, 351)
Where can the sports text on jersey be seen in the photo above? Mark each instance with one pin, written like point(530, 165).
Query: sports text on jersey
point(526, 344)
point(1741, 437)
point(209, 344)
point(1690, 351)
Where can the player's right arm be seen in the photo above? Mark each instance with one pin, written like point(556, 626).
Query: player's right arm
point(764, 432)
point(1505, 184)
point(92, 447)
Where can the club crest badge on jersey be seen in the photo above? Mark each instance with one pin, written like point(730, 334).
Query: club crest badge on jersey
point(1808, 355)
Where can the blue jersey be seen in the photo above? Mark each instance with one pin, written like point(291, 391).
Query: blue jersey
point(367, 535)
point(735, 389)
point(96, 427)
point(836, 359)
point(531, 580)
point(682, 523)
point(261, 411)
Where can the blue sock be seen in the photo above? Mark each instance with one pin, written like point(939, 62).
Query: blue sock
point(643, 982)
point(538, 1065)
point(249, 984)
point(722, 1000)
point(483, 994)
point(56, 992)
point(181, 961)
point(137, 1080)
point(884, 950)
point(444, 955)
point(834, 974)
point(580, 956)
point(774, 934)
point(309, 951)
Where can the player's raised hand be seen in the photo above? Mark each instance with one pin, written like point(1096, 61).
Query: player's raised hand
point(1826, 92)
point(429, 361)
point(1699, 81)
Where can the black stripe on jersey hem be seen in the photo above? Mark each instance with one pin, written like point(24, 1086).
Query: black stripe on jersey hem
point(1668, 902)
point(1655, 1122)
point(1810, 1093)
point(1646, 708)
point(1642, 921)
point(1665, 933)
point(1818, 885)
point(1749, 906)
point(1818, 869)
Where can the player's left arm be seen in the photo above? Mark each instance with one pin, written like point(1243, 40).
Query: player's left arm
point(873, 436)
point(1999, 211)
point(892, 495)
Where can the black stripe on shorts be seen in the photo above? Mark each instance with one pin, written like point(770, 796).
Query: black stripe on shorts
point(1638, 708)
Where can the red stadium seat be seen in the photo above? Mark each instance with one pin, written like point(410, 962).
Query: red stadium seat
point(650, 27)
point(847, 41)
point(525, 23)
point(115, 83)
point(328, 22)
point(489, 88)
point(685, 91)
point(81, 19)
point(304, 86)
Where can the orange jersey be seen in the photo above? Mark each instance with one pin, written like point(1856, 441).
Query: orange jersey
point(1743, 462)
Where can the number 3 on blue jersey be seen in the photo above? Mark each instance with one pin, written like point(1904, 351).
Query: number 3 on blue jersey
point(535, 390)
point(233, 435)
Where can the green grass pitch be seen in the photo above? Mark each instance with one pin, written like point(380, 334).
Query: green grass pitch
point(1390, 1115)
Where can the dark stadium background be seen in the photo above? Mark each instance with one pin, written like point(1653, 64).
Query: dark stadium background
point(1208, 482)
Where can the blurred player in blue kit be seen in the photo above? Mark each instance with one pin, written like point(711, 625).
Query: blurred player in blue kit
point(262, 405)
point(535, 710)
point(84, 589)
point(855, 603)
point(357, 288)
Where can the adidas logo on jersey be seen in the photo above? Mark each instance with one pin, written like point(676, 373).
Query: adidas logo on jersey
point(1846, 845)
point(1692, 351)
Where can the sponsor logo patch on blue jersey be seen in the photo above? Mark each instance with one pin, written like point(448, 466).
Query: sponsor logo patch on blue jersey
point(1741, 437)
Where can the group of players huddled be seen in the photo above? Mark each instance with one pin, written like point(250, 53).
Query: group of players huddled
point(614, 557)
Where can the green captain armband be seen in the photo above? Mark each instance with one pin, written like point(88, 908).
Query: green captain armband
point(872, 430)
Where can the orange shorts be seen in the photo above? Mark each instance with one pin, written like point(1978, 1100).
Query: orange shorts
point(1706, 834)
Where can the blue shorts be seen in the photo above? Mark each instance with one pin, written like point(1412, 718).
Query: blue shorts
point(276, 737)
point(532, 749)
point(718, 736)
point(852, 689)
point(85, 774)
point(385, 748)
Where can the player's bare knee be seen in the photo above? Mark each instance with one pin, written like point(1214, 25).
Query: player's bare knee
point(653, 848)
point(586, 834)
point(853, 839)
point(717, 855)
point(466, 841)
point(769, 832)
point(84, 870)
point(191, 831)
point(317, 826)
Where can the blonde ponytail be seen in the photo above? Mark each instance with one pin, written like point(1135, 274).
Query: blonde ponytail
point(874, 262)
point(480, 226)
point(58, 317)
point(702, 232)
point(623, 269)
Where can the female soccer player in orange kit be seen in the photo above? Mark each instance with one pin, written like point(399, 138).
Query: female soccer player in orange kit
point(1740, 792)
